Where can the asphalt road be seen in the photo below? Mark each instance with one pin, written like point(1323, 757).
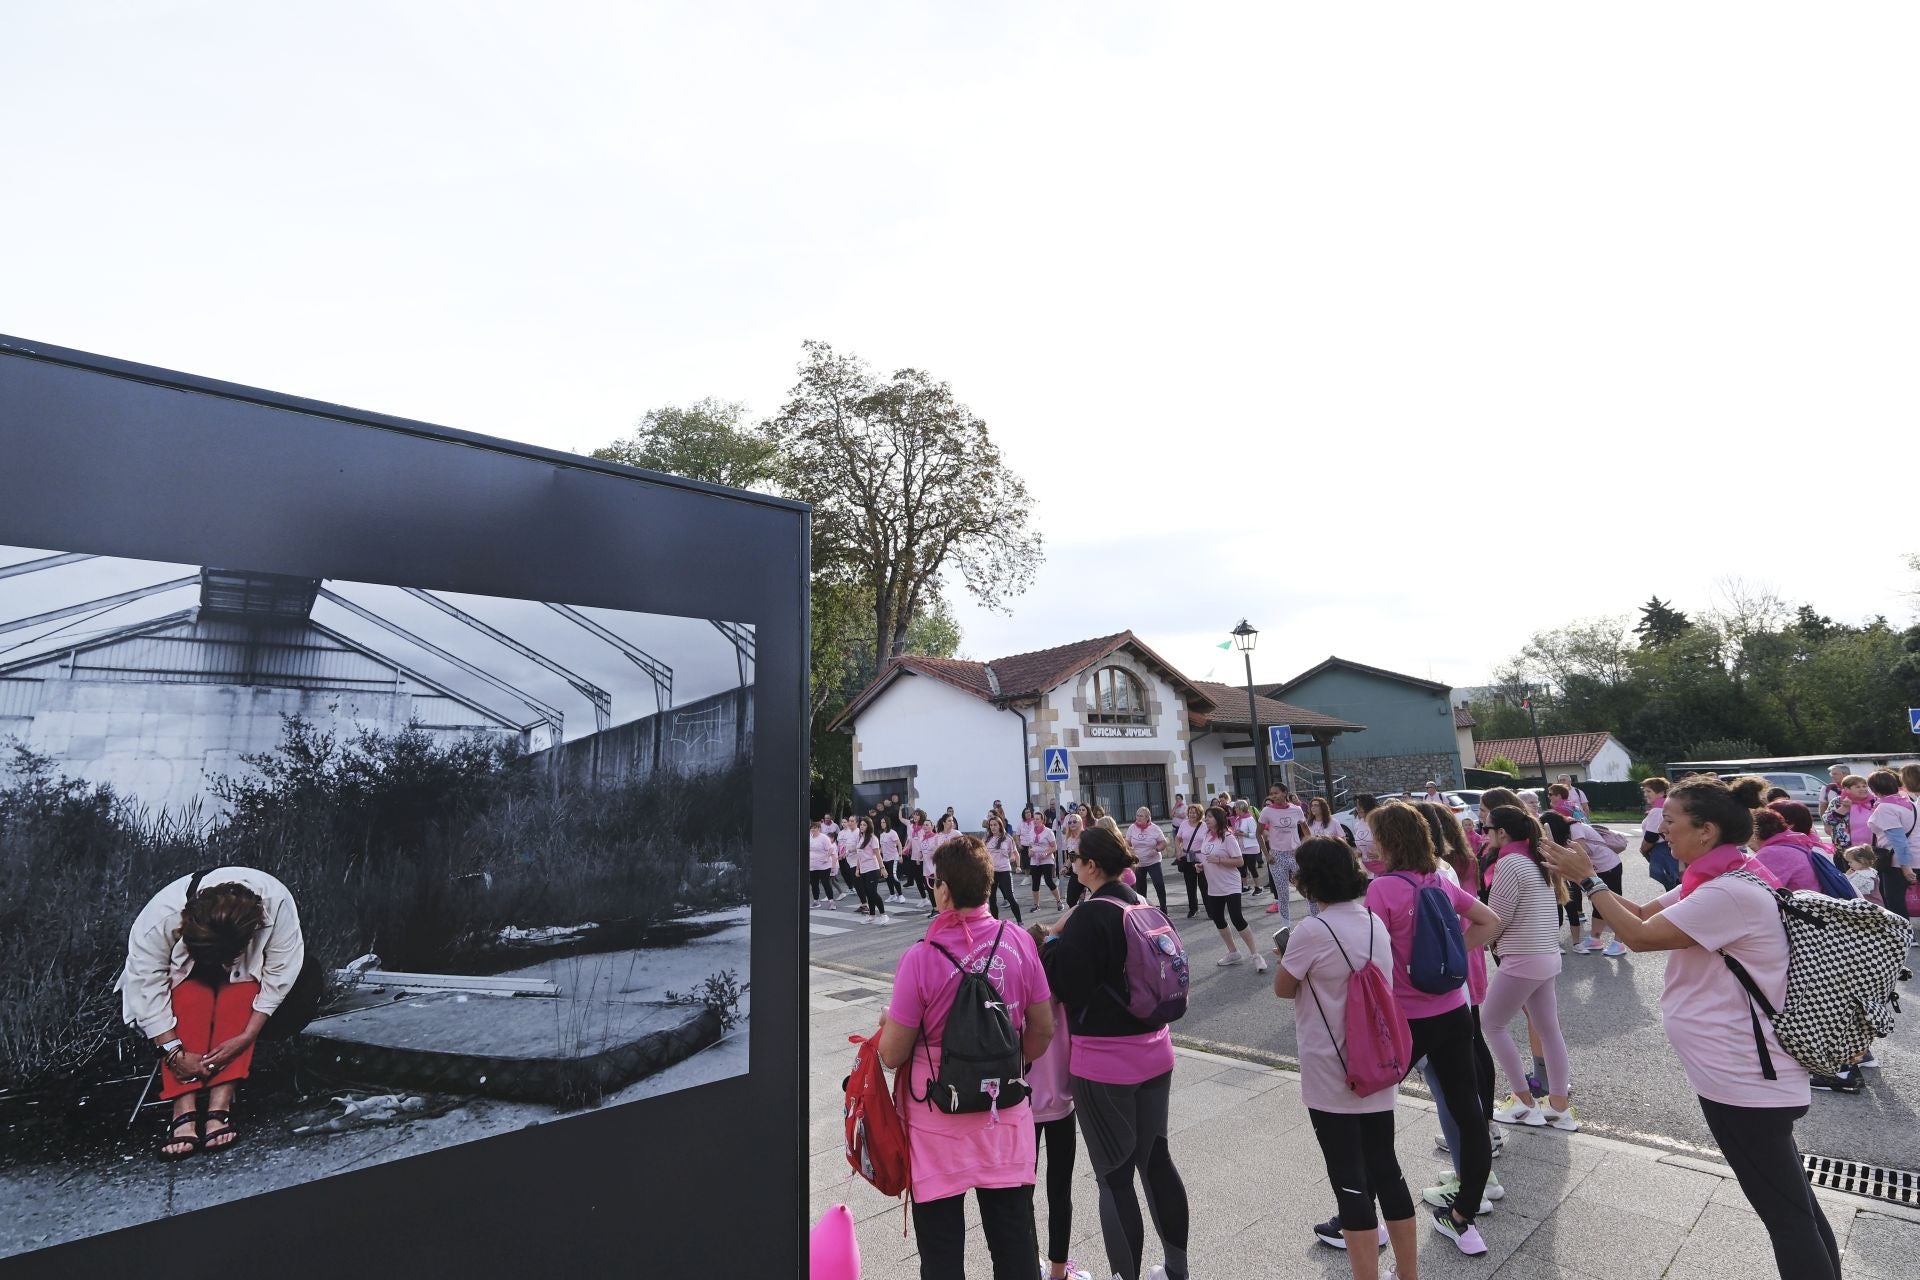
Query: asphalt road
point(1627, 1083)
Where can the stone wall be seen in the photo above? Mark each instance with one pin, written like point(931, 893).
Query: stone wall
point(1381, 774)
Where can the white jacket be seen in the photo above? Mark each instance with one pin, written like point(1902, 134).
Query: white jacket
point(157, 960)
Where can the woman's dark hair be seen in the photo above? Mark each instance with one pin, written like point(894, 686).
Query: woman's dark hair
point(1515, 823)
point(1883, 782)
point(1450, 842)
point(1657, 785)
point(1364, 804)
point(963, 866)
point(1769, 822)
point(1405, 842)
point(219, 922)
point(1323, 807)
point(1559, 789)
point(869, 833)
point(942, 825)
point(1325, 872)
point(1498, 796)
point(1706, 799)
point(1106, 851)
point(1750, 790)
point(1777, 793)
point(1796, 815)
point(1221, 819)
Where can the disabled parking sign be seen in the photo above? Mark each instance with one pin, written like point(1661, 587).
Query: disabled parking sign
point(1913, 719)
point(1280, 742)
point(1056, 764)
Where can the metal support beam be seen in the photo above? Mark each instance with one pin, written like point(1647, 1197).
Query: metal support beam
point(661, 673)
point(44, 562)
point(104, 602)
point(602, 700)
point(742, 638)
point(545, 712)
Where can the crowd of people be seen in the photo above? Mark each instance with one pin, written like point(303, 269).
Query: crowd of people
point(1502, 883)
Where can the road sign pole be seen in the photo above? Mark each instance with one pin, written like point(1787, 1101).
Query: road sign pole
point(1253, 735)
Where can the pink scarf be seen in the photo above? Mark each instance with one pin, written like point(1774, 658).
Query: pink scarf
point(1728, 857)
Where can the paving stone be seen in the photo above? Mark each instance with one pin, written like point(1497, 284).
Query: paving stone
point(1655, 1191)
point(1636, 1247)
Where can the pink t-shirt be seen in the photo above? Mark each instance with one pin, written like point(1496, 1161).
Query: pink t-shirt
point(820, 851)
point(1001, 850)
point(866, 857)
point(1603, 858)
point(1146, 842)
point(1048, 1075)
point(1786, 856)
point(1220, 859)
point(1392, 897)
point(1704, 1006)
point(1313, 956)
point(1282, 825)
point(951, 1153)
point(1041, 855)
point(890, 846)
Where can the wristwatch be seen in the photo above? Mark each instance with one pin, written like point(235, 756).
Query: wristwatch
point(1594, 884)
point(170, 1048)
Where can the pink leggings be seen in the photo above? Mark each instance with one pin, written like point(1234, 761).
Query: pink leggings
point(1527, 982)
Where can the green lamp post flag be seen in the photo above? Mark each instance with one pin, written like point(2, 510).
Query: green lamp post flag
point(1224, 644)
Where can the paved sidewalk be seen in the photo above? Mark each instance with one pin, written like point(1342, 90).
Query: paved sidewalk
point(1577, 1207)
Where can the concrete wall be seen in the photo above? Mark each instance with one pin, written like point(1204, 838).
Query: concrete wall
point(1463, 740)
point(1405, 725)
point(162, 744)
point(956, 749)
point(709, 734)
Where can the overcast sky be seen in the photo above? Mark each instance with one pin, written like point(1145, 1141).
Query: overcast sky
point(1336, 316)
point(701, 659)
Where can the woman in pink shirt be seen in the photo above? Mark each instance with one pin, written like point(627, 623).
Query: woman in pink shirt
point(1441, 1026)
point(1784, 851)
point(1186, 842)
point(1148, 842)
point(869, 868)
point(1041, 848)
point(946, 829)
point(1001, 850)
point(820, 854)
point(992, 1152)
point(1220, 854)
point(1750, 1090)
point(1355, 1133)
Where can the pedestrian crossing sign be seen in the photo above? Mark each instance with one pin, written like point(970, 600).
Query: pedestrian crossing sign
point(1056, 764)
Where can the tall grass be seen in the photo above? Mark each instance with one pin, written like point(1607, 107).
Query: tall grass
point(390, 842)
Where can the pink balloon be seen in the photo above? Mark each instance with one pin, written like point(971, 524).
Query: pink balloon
point(832, 1253)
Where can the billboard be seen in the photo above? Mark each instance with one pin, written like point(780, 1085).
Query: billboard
point(384, 818)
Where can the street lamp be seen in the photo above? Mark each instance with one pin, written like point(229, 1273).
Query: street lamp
point(1244, 637)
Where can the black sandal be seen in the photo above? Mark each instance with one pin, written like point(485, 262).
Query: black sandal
point(206, 1143)
point(171, 1139)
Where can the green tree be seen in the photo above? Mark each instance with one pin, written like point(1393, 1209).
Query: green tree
point(906, 484)
point(709, 440)
point(1503, 765)
point(1660, 623)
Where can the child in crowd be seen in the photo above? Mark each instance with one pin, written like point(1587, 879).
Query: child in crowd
point(1860, 870)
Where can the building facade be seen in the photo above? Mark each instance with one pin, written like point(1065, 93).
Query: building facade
point(1585, 757)
point(1410, 734)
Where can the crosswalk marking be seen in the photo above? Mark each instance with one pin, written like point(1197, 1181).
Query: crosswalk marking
point(826, 928)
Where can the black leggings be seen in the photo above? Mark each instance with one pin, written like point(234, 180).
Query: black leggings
point(1893, 883)
point(820, 885)
point(1159, 879)
point(1056, 1138)
point(912, 873)
point(1362, 1166)
point(1222, 905)
point(1195, 898)
point(893, 885)
point(1043, 872)
point(870, 892)
point(1446, 1040)
point(1125, 1127)
point(1003, 888)
point(1006, 1219)
point(1074, 888)
point(1482, 1066)
point(1758, 1143)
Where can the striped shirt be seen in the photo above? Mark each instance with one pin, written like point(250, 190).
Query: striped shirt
point(1524, 900)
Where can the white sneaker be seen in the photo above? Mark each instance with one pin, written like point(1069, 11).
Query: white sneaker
point(1514, 1111)
point(1074, 1271)
point(1614, 949)
point(1260, 963)
point(1585, 946)
point(882, 920)
point(1232, 957)
point(1867, 1061)
point(1494, 1190)
point(1559, 1119)
point(1449, 1187)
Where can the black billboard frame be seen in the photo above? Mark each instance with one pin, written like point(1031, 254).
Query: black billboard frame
point(116, 458)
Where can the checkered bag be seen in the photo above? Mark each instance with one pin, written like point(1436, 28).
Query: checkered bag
point(1844, 958)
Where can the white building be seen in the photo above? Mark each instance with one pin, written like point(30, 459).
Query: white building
point(1586, 757)
point(1134, 731)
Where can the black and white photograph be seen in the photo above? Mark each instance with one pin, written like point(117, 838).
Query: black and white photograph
point(300, 876)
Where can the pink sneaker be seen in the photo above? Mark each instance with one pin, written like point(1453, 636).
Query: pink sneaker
point(1466, 1238)
point(1273, 908)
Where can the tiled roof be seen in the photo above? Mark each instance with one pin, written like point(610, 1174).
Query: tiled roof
point(1462, 718)
point(1026, 675)
point(1560, 748)
point(1231, 709)
point(1364, 669)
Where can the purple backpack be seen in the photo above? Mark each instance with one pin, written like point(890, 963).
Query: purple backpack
point(1156, 966)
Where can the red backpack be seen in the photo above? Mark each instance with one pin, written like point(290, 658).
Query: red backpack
point(876, 1137)
point(1378, 1044)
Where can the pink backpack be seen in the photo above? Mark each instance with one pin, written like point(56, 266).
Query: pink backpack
point(1379, 1048)
point(1156, 965)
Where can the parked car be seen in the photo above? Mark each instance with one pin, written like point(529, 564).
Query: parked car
point(1803, 787)
point(1465, 804)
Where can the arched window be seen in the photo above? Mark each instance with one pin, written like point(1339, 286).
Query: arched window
point(1118, 698)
